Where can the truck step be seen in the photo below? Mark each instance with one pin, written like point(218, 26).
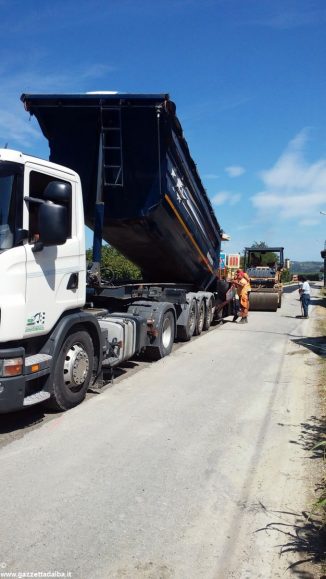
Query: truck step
point(42, 360)
point(36, 398)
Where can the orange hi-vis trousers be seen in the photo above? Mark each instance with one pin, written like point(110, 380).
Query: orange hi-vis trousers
point(244, 305)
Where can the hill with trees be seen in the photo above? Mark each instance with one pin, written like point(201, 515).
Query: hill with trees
point(306, 266)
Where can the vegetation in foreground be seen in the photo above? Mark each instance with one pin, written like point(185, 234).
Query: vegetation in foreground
point(115, 267)
point(319, 509)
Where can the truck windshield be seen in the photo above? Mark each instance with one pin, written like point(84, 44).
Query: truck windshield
point(9, 178)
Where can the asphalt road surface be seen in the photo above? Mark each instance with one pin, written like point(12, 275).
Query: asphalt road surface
point(184, 468)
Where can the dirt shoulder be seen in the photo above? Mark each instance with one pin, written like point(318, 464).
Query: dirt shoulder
point(309, 534)
point(301, 529)
point(320, 328)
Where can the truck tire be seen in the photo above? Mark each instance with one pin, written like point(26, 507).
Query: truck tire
point(73, 371)
point(186, 332)
point(208, 315)
point(165, 339)
point(201, 312)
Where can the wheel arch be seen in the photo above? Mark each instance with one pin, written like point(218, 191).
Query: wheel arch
point(78, 321)
point(155, 311)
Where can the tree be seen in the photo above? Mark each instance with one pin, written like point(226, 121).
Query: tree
point(259, 245)
point(286, 275)
point(115, 266)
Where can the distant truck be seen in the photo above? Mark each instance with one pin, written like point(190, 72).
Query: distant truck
point(119, 163)
point(264, 267)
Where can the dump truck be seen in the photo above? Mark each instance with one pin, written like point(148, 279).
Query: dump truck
point(264, 267)
point(119, 163)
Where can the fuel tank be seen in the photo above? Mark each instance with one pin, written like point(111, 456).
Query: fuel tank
point(131, 155)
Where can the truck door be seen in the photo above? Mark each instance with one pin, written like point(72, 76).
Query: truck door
point(54, 273)
point(12, 254)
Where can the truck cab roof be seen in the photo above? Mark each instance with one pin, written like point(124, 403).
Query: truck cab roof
point(18, 157)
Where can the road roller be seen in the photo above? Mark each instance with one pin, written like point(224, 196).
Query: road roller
point(264, 267)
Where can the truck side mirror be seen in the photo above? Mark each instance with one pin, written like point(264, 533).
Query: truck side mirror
point(52, 224)
point(57, 192)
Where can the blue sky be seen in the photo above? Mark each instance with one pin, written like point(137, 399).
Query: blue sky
point(248, 78)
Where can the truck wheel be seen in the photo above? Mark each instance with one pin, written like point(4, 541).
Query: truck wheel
point(208, 315)
point(73, 371)
point(279, 301)
point(165, 339)
point(200, 318)
point(186, 332)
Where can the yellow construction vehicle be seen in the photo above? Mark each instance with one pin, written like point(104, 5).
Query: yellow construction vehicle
point(264, 267)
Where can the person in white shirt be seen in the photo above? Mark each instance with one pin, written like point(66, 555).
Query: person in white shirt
point(304, 292)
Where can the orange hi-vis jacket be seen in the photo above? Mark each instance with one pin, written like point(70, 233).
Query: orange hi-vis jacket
point(244, 287)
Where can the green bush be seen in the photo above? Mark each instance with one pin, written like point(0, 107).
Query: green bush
point(115, 266)
point(286, 276)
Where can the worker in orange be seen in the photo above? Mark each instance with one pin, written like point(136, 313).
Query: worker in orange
point(242, 283)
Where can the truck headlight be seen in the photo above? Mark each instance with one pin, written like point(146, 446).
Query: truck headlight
point(11, 367)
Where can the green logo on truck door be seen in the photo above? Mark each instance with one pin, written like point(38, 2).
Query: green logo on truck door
point(35, 322)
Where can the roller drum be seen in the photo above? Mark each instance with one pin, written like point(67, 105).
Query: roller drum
point(264, 301)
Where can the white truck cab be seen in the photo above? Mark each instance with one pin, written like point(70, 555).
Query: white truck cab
point(39, 281)
point(43, 272)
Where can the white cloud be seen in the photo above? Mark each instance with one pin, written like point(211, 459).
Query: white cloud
point(226, 197)
point(308, 222)
point(235, 170)
point(97, 70)
point(294, 188)
point(15, 126)
point(211, 176)
point(288, 17)
point(288, 206)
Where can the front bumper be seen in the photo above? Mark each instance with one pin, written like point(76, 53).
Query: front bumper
point(12, 392)
point(12, 389)
point(24, 390)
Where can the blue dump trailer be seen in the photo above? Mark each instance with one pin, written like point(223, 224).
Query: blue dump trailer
point(139, 181)
point(120, 164)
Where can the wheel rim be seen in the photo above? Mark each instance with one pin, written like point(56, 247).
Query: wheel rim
point(192, 318)
point(76, 367)
point(201, 316)
point(166, 332)
point(208, 315)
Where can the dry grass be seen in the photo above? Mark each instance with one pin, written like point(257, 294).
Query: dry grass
point(320, 505)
